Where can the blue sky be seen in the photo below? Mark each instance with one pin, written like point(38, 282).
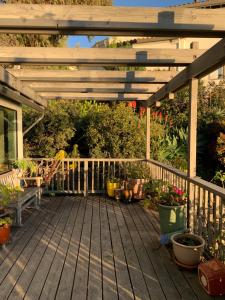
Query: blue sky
point(83, 42)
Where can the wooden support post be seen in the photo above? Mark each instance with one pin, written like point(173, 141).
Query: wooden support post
point(192, 146)
point(148, 119)
point(192, 132)
point(85, 178)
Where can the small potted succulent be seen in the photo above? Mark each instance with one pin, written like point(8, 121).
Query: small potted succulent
point(172, 209)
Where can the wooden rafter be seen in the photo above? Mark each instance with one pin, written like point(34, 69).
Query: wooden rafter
point(211, 60)
point(32, 75)
point(95, 87)
point(96, 56)
point(94, 96)
point(117, 21)
point(15, 84)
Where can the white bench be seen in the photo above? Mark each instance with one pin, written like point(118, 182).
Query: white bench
point(30, 196)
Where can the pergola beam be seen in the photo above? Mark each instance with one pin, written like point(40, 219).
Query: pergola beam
point(11, 81)
point(211, 60)
point(95, 87)
point(17, 97)
point(114, 21)
point(94, 96)
point(93, 76)
point(98, 56)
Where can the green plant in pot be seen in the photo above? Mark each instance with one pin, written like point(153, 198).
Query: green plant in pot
point(27, 168)
point(152, 190)
point(172, 210)
point(7, 194)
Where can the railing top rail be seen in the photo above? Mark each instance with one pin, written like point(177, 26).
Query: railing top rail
point(211, 187)
point(169, 168)
point(91, 159)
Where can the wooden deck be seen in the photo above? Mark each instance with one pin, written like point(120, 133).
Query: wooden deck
point(91, 248)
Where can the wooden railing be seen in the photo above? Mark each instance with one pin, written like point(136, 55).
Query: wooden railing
point(81, 176)
point(206, 207)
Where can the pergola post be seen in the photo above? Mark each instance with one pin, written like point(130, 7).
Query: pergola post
point(192, 142)
point(192, 128)
point(148, 120)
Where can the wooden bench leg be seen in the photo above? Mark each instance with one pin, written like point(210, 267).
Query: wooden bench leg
point(19, 216)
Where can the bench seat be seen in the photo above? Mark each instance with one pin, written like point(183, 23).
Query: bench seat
point(30, 196)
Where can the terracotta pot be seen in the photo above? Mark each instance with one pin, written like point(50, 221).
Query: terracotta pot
point(188, 255)
point(137, 186)
point(4, 234)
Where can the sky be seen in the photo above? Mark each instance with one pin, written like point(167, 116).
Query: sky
point(83, 42)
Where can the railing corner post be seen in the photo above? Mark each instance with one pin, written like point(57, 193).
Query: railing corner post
point(85, 178)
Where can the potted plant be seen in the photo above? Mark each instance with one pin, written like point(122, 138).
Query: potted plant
point(137, 174)
point(152, 190)
point(113, 183)
point(172, 209)
point(7, 193)
point(187, 248)
point(5, 228)
point(27, 168)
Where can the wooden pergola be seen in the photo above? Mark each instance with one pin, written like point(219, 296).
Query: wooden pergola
point(35, 87)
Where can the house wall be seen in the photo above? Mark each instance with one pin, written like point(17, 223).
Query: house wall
point(17, 107)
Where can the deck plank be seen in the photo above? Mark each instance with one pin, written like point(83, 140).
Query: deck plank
point(53, 278)
point(92, 248)
point(110, 290)
point(181, 284)
point(151, 279)
point(68, 274)
point(20, 255)
point(95, 268)
point(47, 253)
point(125, 289)
point(82, 270)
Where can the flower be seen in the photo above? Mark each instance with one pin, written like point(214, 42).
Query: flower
point(173, 196)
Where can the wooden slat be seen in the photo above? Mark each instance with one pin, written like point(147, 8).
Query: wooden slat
point(211, 60)
point(48, 250)
point(110, 289)
point(54, 275)
point(79, 248)
point(82, 269)
point(93, 76)
point(95, 87)
point(118, 21)
point(95, 268)
point(94, 96)
point(137, 278)
point(16, 96)
point(68, 274)
point(14, 83)
point(23, 276)
point(98, 56)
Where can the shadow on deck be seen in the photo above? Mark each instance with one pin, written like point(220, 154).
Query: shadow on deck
point(91, 248)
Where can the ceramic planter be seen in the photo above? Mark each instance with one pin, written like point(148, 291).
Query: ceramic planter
point(111, 186)
point(172, 218)
point(4, 234)
point(185, 253)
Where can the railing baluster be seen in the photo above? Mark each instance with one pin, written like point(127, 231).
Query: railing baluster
point(78, 177)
